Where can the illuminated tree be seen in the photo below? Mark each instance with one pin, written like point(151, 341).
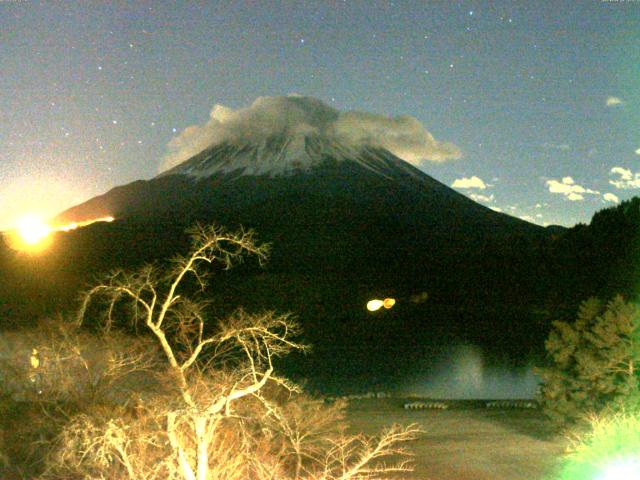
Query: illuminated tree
point(221, 411)
point(55, 361)
point(593, 361)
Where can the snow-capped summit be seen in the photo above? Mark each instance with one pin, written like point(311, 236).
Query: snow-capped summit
point(283, 155)
point(299, 176)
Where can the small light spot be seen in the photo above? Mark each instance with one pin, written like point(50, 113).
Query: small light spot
point(115, 122)
point(471, 13)
point(174, 130)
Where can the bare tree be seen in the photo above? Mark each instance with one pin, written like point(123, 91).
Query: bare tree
point(215, 417)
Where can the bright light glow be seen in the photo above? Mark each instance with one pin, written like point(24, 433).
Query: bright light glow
point(375, 304)
point(73, 225)
point(625, 469)
point(32, 229)
point(33, 235)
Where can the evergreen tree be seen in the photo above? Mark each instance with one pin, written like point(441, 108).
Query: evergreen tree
point(593, 361)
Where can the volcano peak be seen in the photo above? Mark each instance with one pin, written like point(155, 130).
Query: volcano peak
point(284, 155)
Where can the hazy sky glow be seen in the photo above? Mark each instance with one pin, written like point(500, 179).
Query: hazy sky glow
point(541, 98)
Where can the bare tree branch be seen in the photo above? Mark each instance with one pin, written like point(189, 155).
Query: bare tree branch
point(215, 419)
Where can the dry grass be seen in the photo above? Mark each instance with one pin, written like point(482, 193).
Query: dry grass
point(471, 444)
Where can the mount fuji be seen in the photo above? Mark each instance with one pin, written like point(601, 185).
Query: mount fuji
point(346, 224)
point(325, 206)
point(307, 170)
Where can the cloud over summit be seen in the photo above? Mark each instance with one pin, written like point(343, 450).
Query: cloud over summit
point(404, 135)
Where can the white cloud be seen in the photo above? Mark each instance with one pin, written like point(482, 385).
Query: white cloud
point(610, 197)
point(527, 218)
point(496, 209)
point(626, 178)
point(569, 189)
point(471, 182)
point(625, 173)
point(404, 135)
point(613, 101)
point(482, 198)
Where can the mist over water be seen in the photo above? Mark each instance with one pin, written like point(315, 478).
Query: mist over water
point(462, 372)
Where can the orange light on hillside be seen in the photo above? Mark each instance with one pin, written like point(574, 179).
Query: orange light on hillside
point(375, 304)
point(388, 303)
point(33, 235)
point(74, 225)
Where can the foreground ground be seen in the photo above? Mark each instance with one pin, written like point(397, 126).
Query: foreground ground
point(467, 443)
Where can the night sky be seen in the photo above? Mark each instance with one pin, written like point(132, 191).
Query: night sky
point(542, 98)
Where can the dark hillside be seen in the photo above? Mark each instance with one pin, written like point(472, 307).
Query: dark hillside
point(341, 236)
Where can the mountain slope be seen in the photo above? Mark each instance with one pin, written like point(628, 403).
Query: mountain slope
point(346, 225)
point(325, 207)
point(235, 177)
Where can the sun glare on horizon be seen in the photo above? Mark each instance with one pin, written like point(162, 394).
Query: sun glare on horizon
point(32, 234)
point(32, 229)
